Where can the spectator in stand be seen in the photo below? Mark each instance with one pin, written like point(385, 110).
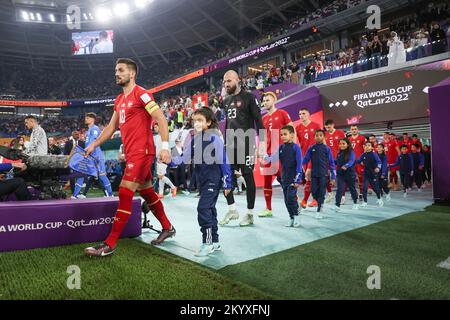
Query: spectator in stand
point(397, 52)
point(438, 39)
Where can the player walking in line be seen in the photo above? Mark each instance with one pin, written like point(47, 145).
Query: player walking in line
point(333, 136)
point(134, 111)
point(357, 142)
point(322, 165)
point(372, 168)
point(243, 116)
point(274, 121)
point(290, 156)
point(305, 135)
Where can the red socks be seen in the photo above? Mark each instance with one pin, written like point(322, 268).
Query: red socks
point(307, 191)
point(268, 179)
point(268, 197)
point(122, 215)
point(156, 207)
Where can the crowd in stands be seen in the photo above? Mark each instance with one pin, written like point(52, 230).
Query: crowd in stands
point(370, 50)
point(422, 34)
point(50, 84)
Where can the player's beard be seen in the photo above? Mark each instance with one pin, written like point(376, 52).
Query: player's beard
point(123, 83)
point(231, 90)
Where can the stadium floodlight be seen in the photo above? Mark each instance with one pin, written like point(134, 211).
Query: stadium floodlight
point(91, 16)
point(121, 9)
point(68, 18)
point(103, 14)
point(31, 16)
point(142, 3)
point(52, 17)
point(85, 16)
point(25, 16)
point(38, 16)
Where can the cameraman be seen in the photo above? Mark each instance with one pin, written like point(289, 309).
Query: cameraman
point(14, 185)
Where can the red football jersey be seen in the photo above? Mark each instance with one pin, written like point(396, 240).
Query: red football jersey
point(357, 144)
point(275, 121)
point(419, 143)
point(409, 143)
point(332, 141)
point(135, 122)
point(305, 135)
point(390, 148)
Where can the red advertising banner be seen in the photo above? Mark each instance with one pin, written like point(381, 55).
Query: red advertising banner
point(179, 80)
point(31, 103)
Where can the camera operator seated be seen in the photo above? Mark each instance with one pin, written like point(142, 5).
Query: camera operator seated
point(14, 185)
point(38, 144)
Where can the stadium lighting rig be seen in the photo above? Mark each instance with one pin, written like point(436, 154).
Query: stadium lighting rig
point(103, 13)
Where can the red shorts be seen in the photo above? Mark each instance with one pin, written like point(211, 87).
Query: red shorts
point(394, 169)
point(139, 169)
point(267, 172)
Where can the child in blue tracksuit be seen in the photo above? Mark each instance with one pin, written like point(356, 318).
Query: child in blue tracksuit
point(406, 163)
point(419, 162)
point(213, 173)
point(372, 167)
point(322, 162)
point(290, 156)
point(346, 173)
point(383, 174)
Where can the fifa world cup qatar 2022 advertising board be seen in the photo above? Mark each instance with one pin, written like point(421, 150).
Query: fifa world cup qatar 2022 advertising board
point(391, 96)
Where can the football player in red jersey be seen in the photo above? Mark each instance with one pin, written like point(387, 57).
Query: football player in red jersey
point(406, 141)
point(134, 111)
point(305, 135)
point(415, 140)
point(392, 150)
point(373, 140)
point(357, 142)
point(273, 121)
point(332, 140)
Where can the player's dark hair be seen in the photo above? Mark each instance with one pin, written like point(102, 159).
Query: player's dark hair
point(305, 109)
point(28, 117)
point(328, 122)
point(381, 144)
point(372, 135)
point(319, 130)
point(353, 125)
point(208, 115)
point(91, 115)
point(403, 146)
point(347, 151)
point(414, 135)
point(405, 133)
point(368, 142)
point(289, 128)
point(130, 64)
point(416, 145)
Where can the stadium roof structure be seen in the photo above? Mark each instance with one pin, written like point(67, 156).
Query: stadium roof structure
point(160, 32)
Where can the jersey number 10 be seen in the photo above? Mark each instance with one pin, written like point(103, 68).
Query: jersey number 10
point(122, 116)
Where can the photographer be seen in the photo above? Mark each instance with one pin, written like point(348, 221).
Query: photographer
point(14, 185)
point(38, 142)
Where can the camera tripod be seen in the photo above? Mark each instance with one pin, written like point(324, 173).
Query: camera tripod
point(146, 223)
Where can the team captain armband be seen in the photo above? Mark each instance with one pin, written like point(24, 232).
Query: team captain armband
point(151, 106)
